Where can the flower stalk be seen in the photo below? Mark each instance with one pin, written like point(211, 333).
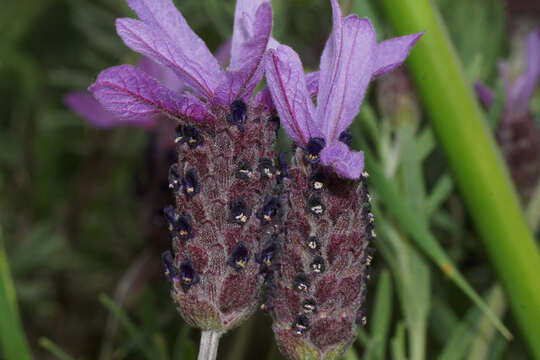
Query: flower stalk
point(477, 165)
point(208, 347)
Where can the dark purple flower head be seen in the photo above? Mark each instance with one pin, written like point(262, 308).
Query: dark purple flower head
point(163, 35)
point(349, 61)
point(517, 132)
point(518, 92)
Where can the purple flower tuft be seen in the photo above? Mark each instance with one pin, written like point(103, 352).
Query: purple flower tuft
point(349, 61)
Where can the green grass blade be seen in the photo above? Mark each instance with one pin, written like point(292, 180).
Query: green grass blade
point(485, 333)
point(12, 337)
point(441, 191)
point(398, 343)
point(382, 314)
point(461, 338)
point(54, 349)
point(136, 336)
point(423, 238)
point(477, 165)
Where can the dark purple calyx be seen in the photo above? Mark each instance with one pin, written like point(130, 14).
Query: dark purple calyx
point(238, 114)
point(171, 272)
point(266, 257)
point(300, 325)
point(270, 210)
point(179, 225)
point(191, 183)
point(313, 150)
point(180, 135)
point(174, 178)
point(315, 205)
point(318, 266)
point(317, 180)
point(309, 306)
point(346, 137)
point(240, 213)
point(266, 168)
point(244, 170)
point(188, 275)
point(313, 243)
point(301, 283)
point(239, 257)
point(193, 137)
point(283, 165)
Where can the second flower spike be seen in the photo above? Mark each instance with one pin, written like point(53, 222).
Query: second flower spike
point(319, 297)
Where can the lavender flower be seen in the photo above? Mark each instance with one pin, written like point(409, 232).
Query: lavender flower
point(517, 132)
point(227, 206)
point(324, 263)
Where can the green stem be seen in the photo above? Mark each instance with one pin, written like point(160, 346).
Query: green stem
point(476, 162)
point(12, 337)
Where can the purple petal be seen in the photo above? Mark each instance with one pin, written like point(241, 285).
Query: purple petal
point(86, 106)
point(245, 15)
point(246, 72)
point(287, 84)
point(132, 95)
point(312, 83)
point(343, 161)
point(169, 22)
point(163, 74)
point(223, 53)
point(392, 53)
point(151, 42)
point(264, 98)
point(520, 93)
point(346, 69)
point(485, 94)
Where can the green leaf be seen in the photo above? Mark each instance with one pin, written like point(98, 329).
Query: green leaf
point(419, 232)
point(441, 191)
point(398, 343)
point(54, 349)
point(12, 337)
point(478, 167)
point(382, 315)
point(136, 336)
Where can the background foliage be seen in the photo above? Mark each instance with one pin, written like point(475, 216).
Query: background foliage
point(79, 206)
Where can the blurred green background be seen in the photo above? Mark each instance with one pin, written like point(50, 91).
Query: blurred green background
point(79, 206)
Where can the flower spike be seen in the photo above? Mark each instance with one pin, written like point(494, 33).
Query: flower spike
point(319, 298)
point(351, 58)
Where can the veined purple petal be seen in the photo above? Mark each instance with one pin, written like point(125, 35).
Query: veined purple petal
point(245, 15)
point(287, 84)
point(485, 94)
point(150, 42)
point(519, 94)
point(391, 53)
point(161, 73)
point(343, 161)
point(346, 69)
point(165, 17)
point(132, 95)
point(264, 98)
point(312, 83)
point(223, 53)
point(245, 73)
point(86, 106)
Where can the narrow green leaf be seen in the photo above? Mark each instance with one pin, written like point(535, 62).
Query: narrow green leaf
point(477, 164)
point(130, 327)
point(423, 238)
point(382, 314)
point(398, 343)
point(442, 189)
point(54, 349)
point(485, 333)
point(411, 170)
point(12, 337)
point(461, 338)
point(425, 144)
point(351, 354)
